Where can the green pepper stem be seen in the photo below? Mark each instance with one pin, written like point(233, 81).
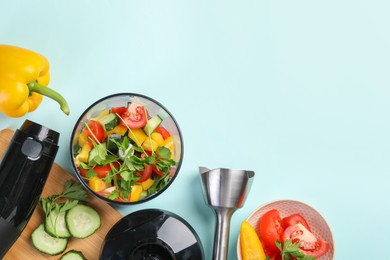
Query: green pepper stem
point(50, 93)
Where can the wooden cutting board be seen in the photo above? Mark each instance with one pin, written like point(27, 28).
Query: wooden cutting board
point(23, 248)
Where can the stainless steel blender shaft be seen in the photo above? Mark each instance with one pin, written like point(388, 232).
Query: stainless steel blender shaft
point(225, 191)
point(221, 235)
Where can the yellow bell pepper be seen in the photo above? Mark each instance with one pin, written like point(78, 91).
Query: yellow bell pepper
point(101, 115)
point(119, 129)
point(150, 145)
point(158, 138)
point(83, 138)
point(251, 248)
point(97, 184)
point(84, 153)
point(135, 194)
point(168, 143)
point(147, 184)
point(137, 135)
point(24, 76)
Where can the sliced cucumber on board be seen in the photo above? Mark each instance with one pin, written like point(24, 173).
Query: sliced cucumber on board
point(82, 221)
point(46, 243)
point(73, 255)
point(55, 225)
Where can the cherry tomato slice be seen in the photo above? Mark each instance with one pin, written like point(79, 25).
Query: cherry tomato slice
point(145, 174)
point(94, 131)
point(272, 255)
point(119, 110)
point(149, 153)
point(270, 228)
point(164, 132)
point(156, 171)
point(102, 171)
point(83, 172)
point(134, 117)
point(295, 219)
point(310, 245)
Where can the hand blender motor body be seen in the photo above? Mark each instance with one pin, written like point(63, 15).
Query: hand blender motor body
point(24, 169)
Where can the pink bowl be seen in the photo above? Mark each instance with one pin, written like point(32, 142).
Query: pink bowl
point(316, 222)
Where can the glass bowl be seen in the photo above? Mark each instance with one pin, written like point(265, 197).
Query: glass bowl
point(126, 148)
point(316, 222)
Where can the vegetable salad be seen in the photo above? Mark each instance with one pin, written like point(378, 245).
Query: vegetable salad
point(125, 154)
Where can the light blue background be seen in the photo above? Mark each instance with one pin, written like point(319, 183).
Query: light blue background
point(297, 91)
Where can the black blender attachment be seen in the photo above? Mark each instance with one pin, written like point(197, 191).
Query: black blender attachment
point(24, 169)
point(152, 234)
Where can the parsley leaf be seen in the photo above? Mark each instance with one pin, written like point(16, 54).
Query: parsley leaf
point(126, 175)
point(288, 250)
point(73, 193)
point(163, 152)
point(113, 195)
point(74, 190)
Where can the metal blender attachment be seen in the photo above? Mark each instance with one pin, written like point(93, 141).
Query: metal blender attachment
point(225, 191)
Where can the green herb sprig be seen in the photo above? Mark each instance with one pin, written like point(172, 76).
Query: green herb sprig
point(72, 194)
point(288, 250)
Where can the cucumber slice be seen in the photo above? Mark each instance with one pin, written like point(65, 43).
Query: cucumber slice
point(152, 124)
point(55, 225)
point(82, 221)
point(111, 146)
point(109, 121)
point(46, 243)
point(73, 255)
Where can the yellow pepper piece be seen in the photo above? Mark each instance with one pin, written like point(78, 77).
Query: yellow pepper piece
point(83, 138)
point(147, 184)
point(102, 114)
point(137, 135)
point(84, 154)
point(24, 76)
point(119, 129)
point(150, 145)
point(97, 184)
point(168, 143)
point(135, 194)
point(251, 248)
point(158, 138)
